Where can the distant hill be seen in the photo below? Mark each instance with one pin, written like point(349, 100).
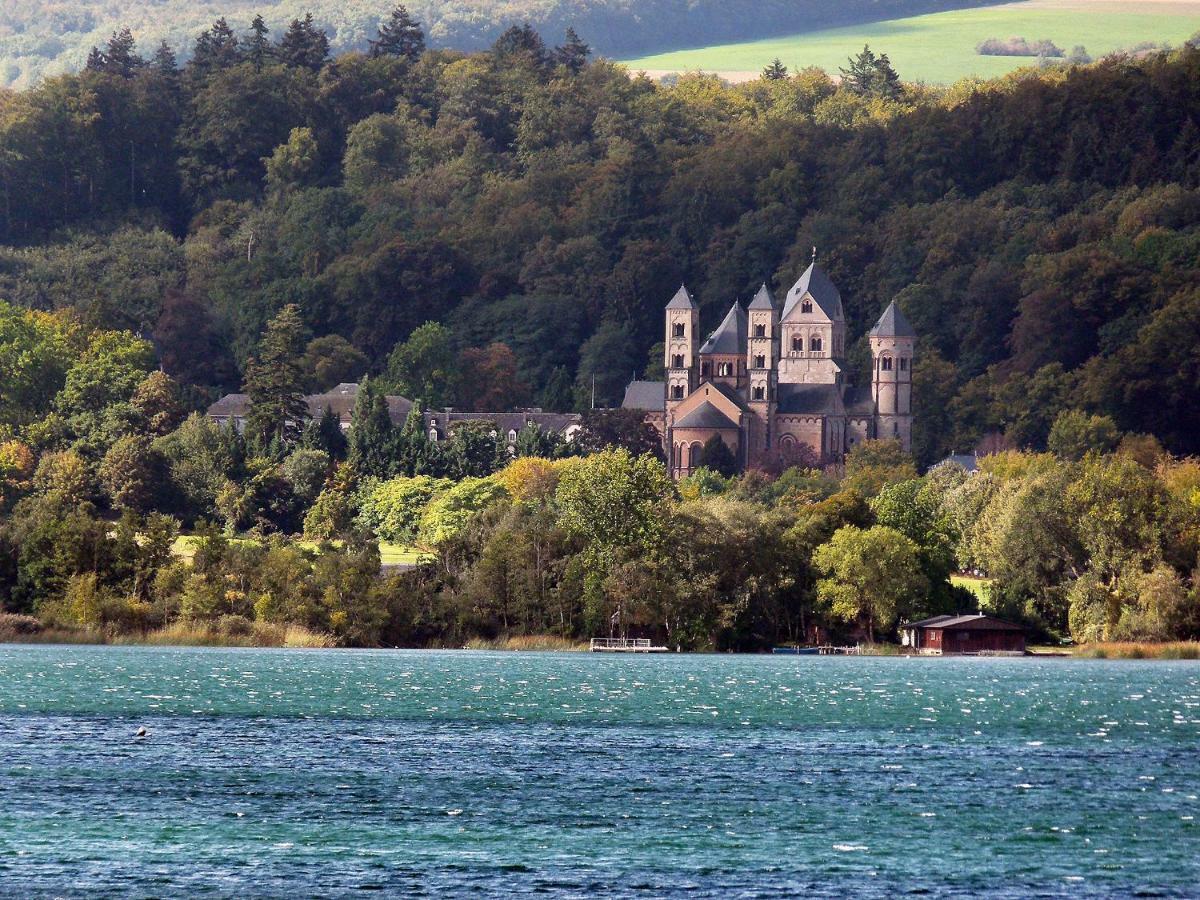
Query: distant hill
point(48, 37)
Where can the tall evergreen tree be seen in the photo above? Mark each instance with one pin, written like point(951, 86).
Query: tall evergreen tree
point(869, 75)
point(522, 42)
point(164, 62)
point(119, 57)
point(275, 381)
point(372, 438)
point(401, 35)
point(573, 52)
point(215, 49)
point(304, 46)
point(325, 434)
point(776, 71)
point(257, 44)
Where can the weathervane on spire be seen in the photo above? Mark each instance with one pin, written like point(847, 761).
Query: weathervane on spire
point(814, 259)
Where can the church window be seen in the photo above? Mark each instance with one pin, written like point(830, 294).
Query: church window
point(806, 306)
point(512, 435)
point(433, 435)
point(814, 343)
point(760, 330)
point(705, 370)
point(760, 362)
point(797, 343)
point(677, 329)
point(677, 392)
point(886, 364)
point(904, 364)
point(677, 361)
point(759, 392)
point(724, 370)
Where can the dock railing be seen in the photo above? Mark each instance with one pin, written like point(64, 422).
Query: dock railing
point(620, 643)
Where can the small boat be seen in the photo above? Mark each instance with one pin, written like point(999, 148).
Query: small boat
point(795, 651)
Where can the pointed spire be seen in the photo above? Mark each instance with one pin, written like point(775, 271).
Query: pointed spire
point(730, 336)
point(763, 299)
point(893, 324)
point(682, 299)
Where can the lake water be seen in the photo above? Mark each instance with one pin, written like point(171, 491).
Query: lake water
point(269, 772)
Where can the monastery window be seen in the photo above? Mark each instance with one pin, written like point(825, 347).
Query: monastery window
point(705, 370)
point(759, 392)
point(677, 392)
point(797, 343)
point(806, 306)
point(512, 435)
point(760, 330)
point(677, 361)
point(724, 370)
point(904, 364)
point(433, 435)
point(886, 364)
point(760, 362)
point(814, 343)
point(677, 329)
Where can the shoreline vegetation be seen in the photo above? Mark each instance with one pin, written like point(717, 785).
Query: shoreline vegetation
point(293, 637)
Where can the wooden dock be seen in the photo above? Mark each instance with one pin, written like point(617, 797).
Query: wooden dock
point(625, 645)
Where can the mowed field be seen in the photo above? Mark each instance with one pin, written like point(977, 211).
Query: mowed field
point(940, 48)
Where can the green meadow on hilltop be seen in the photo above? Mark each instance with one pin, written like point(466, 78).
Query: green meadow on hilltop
point(940, 48)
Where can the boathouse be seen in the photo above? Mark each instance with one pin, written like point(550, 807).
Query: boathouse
point(974, 634)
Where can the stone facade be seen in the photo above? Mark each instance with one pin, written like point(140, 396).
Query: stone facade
point(771, 379)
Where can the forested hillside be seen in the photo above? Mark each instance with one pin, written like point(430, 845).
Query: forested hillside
point(1041, 232)
point(49, 37)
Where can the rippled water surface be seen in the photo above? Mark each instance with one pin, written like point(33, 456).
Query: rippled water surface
point(270, 772)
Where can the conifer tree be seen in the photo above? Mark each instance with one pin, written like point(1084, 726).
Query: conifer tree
point(401, 35)
point(776, 71)
point(304, 46)
point(164, 62)
point(522, 42)
point(573, 53)
point(869, 75)
point(119, 56)
point(258, 49)
point(215, 49)
point(275, 381)
point(372, 439)
point(325, 434)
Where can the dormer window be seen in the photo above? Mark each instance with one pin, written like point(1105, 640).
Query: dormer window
point(806, 306)
point(814, 343)
point(677, 329)
point(677, 361)
point(797, 344)
point(760, 330)
point(760, 362)
point(886, 364)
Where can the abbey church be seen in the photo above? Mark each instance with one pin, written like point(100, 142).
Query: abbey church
point(769, 380)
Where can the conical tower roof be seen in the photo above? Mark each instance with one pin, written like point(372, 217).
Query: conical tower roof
point(730, 336)
point(893, 324)
point(763, 299)
point(682, 300)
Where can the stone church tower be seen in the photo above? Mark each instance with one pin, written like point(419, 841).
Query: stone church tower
point(682, 343)
point(893, 341)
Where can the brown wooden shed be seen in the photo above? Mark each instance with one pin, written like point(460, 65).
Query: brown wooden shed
point(942, 635)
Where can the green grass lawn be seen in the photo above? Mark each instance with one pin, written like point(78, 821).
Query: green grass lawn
point(980, 587)
point(940, 48)
point(390, 554)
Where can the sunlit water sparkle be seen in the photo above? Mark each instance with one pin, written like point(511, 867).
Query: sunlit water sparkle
point(305, 773)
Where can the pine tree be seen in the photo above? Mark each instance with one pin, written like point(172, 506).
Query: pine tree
point(325, 434)
point(164, 61)
point(372, 438)
point(121, 56)
point(275, 381)
point(401, 35)
point(869, 75)
point(573, 53)
point(413, 451)
point(304, 46)
point(776, 71)
point(257, 46)
point(215, 49)
point(522, 42)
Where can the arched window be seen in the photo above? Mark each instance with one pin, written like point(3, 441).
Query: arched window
point(677, 392)
point(760, 330)
point(797, 343)
point(759, 392)
point(787, 442)
point(512, 435)
point(677, 329)
point(886, 364)
point(677, 361)
point(904, 364)
point(433, 435)
point(806, 306)
point(814, 343)
point(705, 370)
point(724, 370)
point(695, 454)
point(760, 362)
